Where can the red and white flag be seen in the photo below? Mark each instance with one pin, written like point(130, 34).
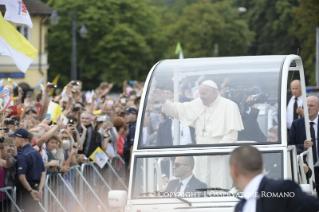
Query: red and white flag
point(17, 12)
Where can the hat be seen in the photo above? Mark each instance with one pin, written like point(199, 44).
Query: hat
point(21, 133)
point(210, 83)
point(29, 94)
point(130, 110)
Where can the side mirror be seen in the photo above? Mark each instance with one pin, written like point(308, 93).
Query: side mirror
point(117, 199)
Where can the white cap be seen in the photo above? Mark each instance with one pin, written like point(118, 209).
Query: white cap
point(210, 83)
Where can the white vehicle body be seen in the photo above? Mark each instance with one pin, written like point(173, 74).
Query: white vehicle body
point(271, 75)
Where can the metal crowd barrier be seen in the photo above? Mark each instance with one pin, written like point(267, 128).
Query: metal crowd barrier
point(83, 189)
point(114, 172)
point(7, 201)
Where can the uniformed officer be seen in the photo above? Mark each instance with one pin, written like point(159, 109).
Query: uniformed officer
point(130, 118)
point(30, 173)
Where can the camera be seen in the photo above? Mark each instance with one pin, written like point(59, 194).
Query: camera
point(9, 122)
point(52, 86)
point(71, 121)
point(107, 134)
point(75, 109)
point(239, 95)
point(76, 147)
point(5, 129)
point(2, 140)
point(75, 83)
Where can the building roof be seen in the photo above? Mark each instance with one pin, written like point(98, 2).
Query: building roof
point(35, 7)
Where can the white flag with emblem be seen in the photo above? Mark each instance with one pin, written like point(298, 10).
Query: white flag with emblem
point(17, 12)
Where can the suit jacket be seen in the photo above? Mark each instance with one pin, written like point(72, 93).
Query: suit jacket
point(164, 134)
point(297, 202)
point(192, 185)
point(297, 133)
point(251, 131)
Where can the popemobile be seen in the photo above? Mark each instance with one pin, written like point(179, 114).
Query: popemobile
point(193, 114)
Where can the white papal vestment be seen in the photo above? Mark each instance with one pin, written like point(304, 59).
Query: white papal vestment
point(218, 122)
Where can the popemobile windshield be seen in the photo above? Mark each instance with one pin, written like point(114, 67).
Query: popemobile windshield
point(193, 113)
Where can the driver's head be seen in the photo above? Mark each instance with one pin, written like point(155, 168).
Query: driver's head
point(183, 167)
point(208, 92)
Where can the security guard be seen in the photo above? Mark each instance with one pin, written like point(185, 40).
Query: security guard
point(130, 118)
point(30, 173)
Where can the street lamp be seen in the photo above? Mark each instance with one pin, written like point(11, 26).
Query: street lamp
point(240, 10)
point(83, 33)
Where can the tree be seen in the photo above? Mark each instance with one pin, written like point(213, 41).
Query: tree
point(271, 21)
point(204, 25)
point(306, 19)
point(124, 40)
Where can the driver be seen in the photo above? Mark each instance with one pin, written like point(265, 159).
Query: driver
point(186, 182)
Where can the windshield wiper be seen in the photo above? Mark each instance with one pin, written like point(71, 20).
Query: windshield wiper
point(236, 194)
point(155, 193)
point(213, 189)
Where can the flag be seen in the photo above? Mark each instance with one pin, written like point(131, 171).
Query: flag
point(14, 45)
point(17, 12)
point(179, 50)
point(14, 84)
point(55, 81)
point(1, 83)
point(54, 111)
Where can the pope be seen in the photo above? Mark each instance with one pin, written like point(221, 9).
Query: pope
point(215, 119)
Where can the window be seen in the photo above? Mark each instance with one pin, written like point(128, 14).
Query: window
point(25, 31)
point(161, 172)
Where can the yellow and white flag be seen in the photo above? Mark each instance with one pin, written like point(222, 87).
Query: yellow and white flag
point(17, 12)
point(14, 45)
point(54, 111)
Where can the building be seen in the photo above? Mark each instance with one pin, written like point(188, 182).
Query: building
point(39, 13)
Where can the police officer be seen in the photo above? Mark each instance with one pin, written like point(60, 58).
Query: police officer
point(30, 173)
point(130, 118)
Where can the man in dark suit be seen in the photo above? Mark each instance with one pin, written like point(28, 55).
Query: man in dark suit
point(260, 193)
point(294, 103)
point(297, 133)
point(187, 182)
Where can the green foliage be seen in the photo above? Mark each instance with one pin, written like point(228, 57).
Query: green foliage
point(124, 41)
point(126, 38)
point(306, 21)
point(200, 25)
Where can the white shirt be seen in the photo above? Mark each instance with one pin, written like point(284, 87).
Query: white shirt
point(290, 109)
point(184, 134)
point(185, 182)
point(315, 126)
point(250, 190)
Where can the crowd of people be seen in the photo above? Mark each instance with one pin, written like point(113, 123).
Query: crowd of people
point(35, 142)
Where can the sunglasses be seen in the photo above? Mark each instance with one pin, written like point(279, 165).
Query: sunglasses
point(178, 164)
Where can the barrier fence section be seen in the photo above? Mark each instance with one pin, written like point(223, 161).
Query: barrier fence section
point(83, 189)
